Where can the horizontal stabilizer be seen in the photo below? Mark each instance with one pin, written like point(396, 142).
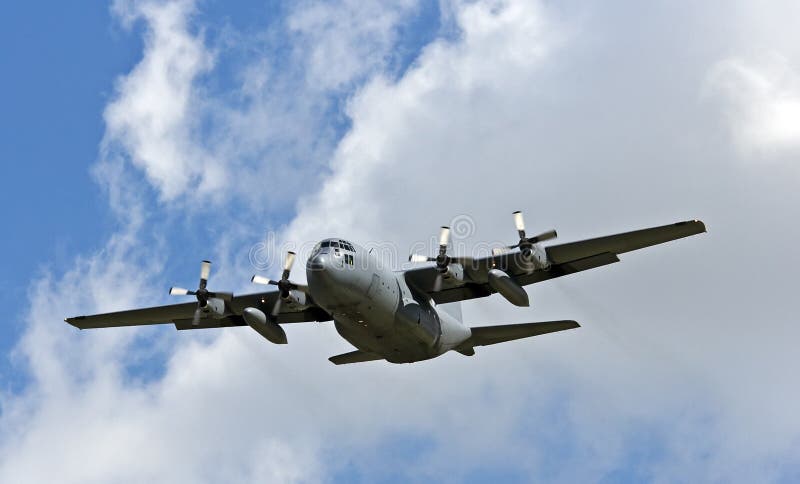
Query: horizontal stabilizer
point(489, 335)
point(357, 356)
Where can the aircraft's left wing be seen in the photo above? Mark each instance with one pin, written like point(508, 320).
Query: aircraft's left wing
point(564, 259)
point(181, 314)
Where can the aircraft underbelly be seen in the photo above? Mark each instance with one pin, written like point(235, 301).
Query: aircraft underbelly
point(373, 325)
point(376, 312)
point(397, 345)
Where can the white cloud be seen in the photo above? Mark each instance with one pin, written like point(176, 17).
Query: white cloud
point(676, 358)
point(268, 138)
point(155, 111)
point(764, 101)
point(344, 41)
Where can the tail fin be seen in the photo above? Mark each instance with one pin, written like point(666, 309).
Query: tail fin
point(453, 309)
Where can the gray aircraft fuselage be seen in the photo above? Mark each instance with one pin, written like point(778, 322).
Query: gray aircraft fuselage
point(374, 308)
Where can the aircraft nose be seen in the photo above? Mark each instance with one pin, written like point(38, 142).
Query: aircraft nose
point(317, 263)
point(321, 278)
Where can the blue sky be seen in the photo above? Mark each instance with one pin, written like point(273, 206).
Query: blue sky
point(65, 61)
point(143, 136)
point(68, 60)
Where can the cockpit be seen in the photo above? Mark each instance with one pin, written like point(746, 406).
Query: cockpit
point(328, 244)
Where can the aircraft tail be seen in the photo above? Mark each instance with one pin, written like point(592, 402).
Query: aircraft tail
point(453, 309)
point(357, 356)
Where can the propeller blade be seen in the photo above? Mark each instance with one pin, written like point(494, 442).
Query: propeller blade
point(205, 270)
point(420, 258)
point(519, 222)
point(276, 309)
point(289, 261)
point(196, 318)
point(263, 280)
point(551, 234)
point(444, 237)
point(179, 291)
point(500, 250)
point(437, 283)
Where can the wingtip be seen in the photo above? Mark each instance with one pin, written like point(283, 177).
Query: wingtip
point(700, 224)
point(73, 321)
point(695, 222)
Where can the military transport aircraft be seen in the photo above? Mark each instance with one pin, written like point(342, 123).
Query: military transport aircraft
point(396, 316)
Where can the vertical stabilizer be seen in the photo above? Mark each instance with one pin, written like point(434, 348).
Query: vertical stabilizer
point(453, 309)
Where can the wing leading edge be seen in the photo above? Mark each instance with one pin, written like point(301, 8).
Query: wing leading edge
point(181, 314)
point(624, 242)
point(565, 259)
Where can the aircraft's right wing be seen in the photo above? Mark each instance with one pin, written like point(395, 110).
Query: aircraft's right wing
point(564, 259)
point(625, 242)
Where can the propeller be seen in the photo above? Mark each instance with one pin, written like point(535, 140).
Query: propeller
point(285, 286)
point(525, 243)
point(442, 259)
point(202, 293)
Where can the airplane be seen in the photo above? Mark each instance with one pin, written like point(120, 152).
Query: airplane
point(397, 316)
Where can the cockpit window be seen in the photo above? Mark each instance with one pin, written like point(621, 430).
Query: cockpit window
point(347, 245)
point(337, 244)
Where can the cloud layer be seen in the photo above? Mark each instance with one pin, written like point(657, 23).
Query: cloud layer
point(593, 120)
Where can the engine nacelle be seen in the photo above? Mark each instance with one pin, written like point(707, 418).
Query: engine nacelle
point(214, 308)
point(454, 271)
point(535, 258)
point(296, 297)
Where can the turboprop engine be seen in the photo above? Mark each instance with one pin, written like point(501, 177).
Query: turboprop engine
point(209, 303)
point(533, 255)
point(450, 268)
point(289, 291)
point(295, 296)
point(214, 307)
